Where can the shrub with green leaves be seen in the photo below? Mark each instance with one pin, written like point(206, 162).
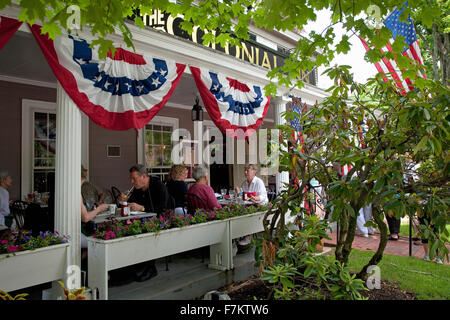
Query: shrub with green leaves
point(298, 273)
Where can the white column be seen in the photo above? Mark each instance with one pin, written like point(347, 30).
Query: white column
point(198, 138)
point(85, 142)
point(280, 106)
point(68, 175)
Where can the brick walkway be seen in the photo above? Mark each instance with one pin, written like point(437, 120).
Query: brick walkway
point(399, 247)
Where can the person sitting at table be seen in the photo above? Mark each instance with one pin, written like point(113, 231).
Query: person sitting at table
point(257, 192)
point(177, 188)
point(202, 189)
point(92, 195)
point(5, 183)
point(149, 195)
point(87, 225)
point(253, 185)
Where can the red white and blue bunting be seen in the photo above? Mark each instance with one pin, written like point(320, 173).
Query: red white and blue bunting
point(118, 93)
point(8, 27)
point(127, 90)
point(232, 105)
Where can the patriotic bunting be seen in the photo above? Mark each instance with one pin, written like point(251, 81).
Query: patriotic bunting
point(8, 27)
point(231, 104)
point(118, 93)
point(127, 90)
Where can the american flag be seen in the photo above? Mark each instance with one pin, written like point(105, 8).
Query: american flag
point(411, 49)
point(296, 106)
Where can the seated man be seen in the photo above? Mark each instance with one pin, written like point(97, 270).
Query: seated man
point(253, 185)
point(256, 190)
point(149, 195)
point(202, 189)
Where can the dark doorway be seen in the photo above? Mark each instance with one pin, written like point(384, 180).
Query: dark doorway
point(220, 173)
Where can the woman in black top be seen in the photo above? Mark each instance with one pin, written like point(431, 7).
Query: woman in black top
point(177, 188)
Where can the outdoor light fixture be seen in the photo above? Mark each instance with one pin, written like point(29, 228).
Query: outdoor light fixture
point(197, 111)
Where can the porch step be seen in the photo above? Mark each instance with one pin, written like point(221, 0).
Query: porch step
point(186, 279)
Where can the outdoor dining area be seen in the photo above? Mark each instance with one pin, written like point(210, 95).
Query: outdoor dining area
point(124, 232)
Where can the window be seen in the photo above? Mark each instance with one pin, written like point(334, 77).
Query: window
point(157, 145)
point(39, 144)
point(44, 149)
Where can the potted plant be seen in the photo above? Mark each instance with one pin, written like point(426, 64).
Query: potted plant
point(22, 254)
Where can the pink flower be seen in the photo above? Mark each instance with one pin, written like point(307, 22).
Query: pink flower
point(161, 218)
point(111, 234)
point(186, 223)
point(12, 248)
point(4, 242)
point(128, 221)
point(94, 235)
point(107, 238)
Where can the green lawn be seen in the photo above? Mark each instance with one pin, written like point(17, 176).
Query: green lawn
point(433, 285)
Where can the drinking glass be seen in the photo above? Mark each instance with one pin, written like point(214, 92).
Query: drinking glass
point(232, 194)
point(223, 192)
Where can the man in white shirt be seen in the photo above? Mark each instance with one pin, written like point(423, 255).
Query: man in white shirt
point(253, 184)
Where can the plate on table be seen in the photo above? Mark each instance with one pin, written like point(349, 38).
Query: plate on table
point(104, 215)
point(248, 202)
point(134, 213)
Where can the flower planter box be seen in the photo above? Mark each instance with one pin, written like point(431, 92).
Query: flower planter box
point(245, 225)
point(32, 267)
point(106, 255)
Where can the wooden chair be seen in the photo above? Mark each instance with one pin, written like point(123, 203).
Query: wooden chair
point(194, 202)
point(115, 196)
point(18, 209)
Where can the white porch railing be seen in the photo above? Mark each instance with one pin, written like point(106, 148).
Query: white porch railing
point(107, 255)
point(33, 267)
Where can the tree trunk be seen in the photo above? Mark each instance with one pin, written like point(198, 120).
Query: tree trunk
point(435, 53)
point(376, 258)
point(349, 240)
point(446, 60)
point(343, 228)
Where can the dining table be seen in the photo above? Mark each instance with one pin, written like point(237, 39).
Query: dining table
point(107, 216)
point(231, 201)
